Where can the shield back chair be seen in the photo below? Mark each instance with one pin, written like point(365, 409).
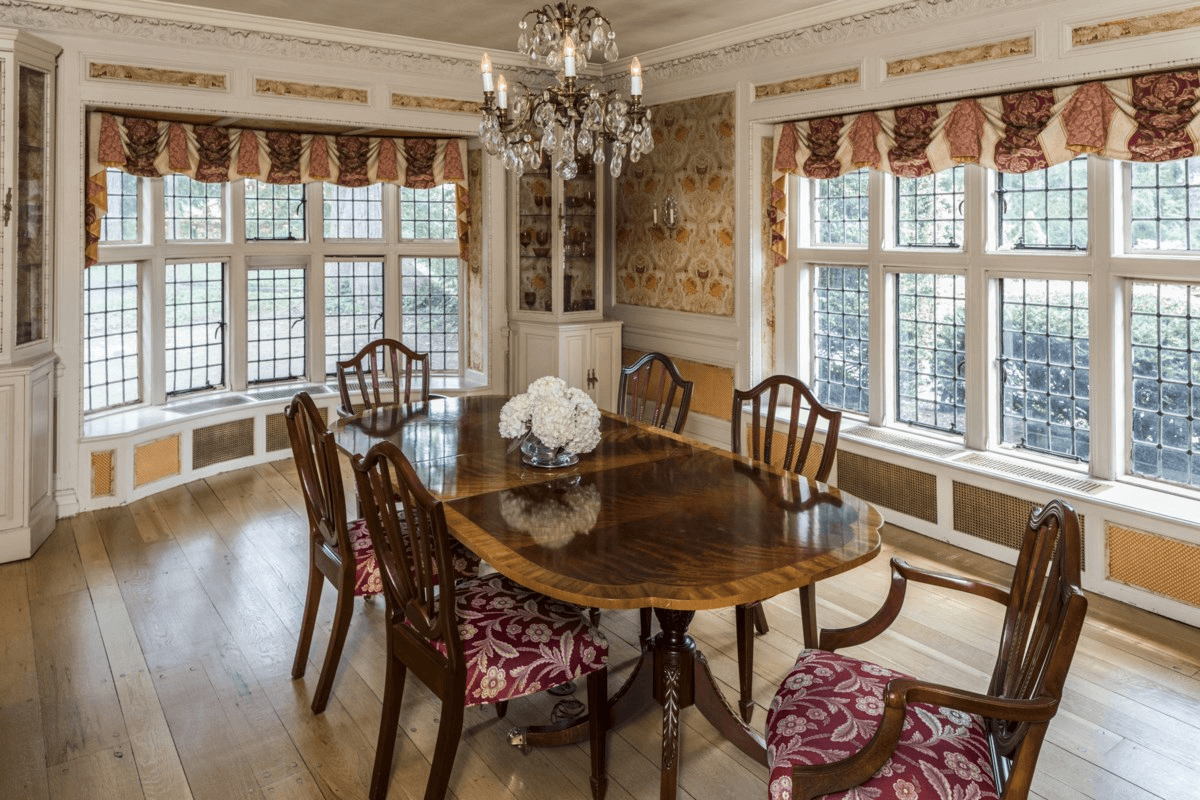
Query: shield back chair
point(652, 391)
point(909, 737)
point(338, 550)
point(788, 443)
point(477, 640)
point(384, 372)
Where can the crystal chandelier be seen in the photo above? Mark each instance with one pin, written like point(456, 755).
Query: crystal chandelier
point(566, 121)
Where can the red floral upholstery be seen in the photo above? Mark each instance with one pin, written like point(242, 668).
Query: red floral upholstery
point(519, 642)
point(366, 567)
point(828, 707)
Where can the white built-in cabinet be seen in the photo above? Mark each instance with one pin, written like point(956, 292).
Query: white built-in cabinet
point(27, 360)
point(556, 285)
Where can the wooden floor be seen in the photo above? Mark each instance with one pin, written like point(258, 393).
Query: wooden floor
point(147, 651)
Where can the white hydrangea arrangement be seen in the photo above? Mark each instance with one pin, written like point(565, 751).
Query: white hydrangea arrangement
point(560, 416)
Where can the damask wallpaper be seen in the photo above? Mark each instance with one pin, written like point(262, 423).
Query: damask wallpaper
point(690, 267)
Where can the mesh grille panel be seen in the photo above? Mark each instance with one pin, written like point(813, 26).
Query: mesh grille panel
point(102, 473)
point(155, 460)
point(277, 432)
point(1032, 473)
point(1164, 566)
point(995, 517)
point(223, 442)
point(889, 485)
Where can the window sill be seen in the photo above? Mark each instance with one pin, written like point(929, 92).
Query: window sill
point(122, 422)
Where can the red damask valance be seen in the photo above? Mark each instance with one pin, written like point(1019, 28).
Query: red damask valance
point(153, 148)
point(1152, 117)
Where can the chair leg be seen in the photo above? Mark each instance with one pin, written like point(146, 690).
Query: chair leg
point(644, 639)
point(385, 746)
point(597, 688)
point(501, 709)
point(337, 638)
point(308, 620)
point(745, 651)
point(760, 620)
point(449, 734)
point(808, 616)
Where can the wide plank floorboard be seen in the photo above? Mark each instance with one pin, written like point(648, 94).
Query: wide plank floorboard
point(147, 654)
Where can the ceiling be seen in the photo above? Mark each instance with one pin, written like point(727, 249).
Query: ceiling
point(641, 26)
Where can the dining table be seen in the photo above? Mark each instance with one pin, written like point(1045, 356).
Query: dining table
point(649, 519)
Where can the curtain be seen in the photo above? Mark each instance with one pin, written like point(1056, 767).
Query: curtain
point(1153, 117)
point(152, 148)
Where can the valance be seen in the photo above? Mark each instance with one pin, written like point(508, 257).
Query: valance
point(209, 154)
point(1143, 118)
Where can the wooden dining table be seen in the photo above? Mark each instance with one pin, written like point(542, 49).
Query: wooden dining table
point(647, 519)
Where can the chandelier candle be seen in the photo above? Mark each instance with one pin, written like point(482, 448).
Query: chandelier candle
point(565, 121)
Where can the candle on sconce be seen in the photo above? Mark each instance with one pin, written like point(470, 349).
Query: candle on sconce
point(569, 57)
point(654, 213)
point(485, 66)
point(502, 92)
point(635, 78)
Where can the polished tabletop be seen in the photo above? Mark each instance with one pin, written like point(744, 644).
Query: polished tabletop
point(649, 518)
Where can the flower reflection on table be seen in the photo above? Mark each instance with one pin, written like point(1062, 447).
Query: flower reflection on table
point(552, 513)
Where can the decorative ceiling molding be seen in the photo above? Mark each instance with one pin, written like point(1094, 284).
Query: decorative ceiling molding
point(435, 103)
point(310, 91)
point(885, 21)
point(191, 34)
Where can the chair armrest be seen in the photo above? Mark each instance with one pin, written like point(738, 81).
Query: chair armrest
point(902, 572)
point(816, 781)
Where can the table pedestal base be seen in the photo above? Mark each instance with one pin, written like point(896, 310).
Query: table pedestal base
point(681, 678)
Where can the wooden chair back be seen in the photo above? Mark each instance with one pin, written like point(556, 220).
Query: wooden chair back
point(408, 531)
point(766, 399)
point(384, 372)
point(316, 456)
point(652, 391)
point(1045, 612)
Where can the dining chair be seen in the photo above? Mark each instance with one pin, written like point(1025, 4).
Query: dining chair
point(382, 373)
point(338, 550)
point(652, 391)
point(840, 723)
point(471, 641)
point(331, 535)
point(776, 407)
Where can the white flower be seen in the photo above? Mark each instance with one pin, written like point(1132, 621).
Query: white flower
point(561, 416)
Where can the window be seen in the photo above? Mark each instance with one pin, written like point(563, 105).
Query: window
point(110, 336)
point(273, 211)
point(840, 209)
point(1044, 366)
point(929, 210)
point(120, 223)
point(931, 350)
point(1046, 208)
point(289, 324)
point(1165, 205)
point(429, 213)
point(353, 212)
point(275, 332)
point(1164, 336)
point(353, 308)
point(195, 320)
point(195, 211)
point(429, 309)
point(840, 337)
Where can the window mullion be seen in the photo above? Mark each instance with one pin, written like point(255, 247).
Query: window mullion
point(980, 351)
point(1109, 416)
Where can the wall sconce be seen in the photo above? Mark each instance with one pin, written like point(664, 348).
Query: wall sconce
point(670, 212)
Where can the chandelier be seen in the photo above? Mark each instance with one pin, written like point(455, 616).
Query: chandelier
point(566, 121)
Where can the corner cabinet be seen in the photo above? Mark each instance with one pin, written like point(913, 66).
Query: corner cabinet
point(27, 360)
point(556, 285)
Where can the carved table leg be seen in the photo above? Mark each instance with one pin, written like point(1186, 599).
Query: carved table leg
point(674, 656)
